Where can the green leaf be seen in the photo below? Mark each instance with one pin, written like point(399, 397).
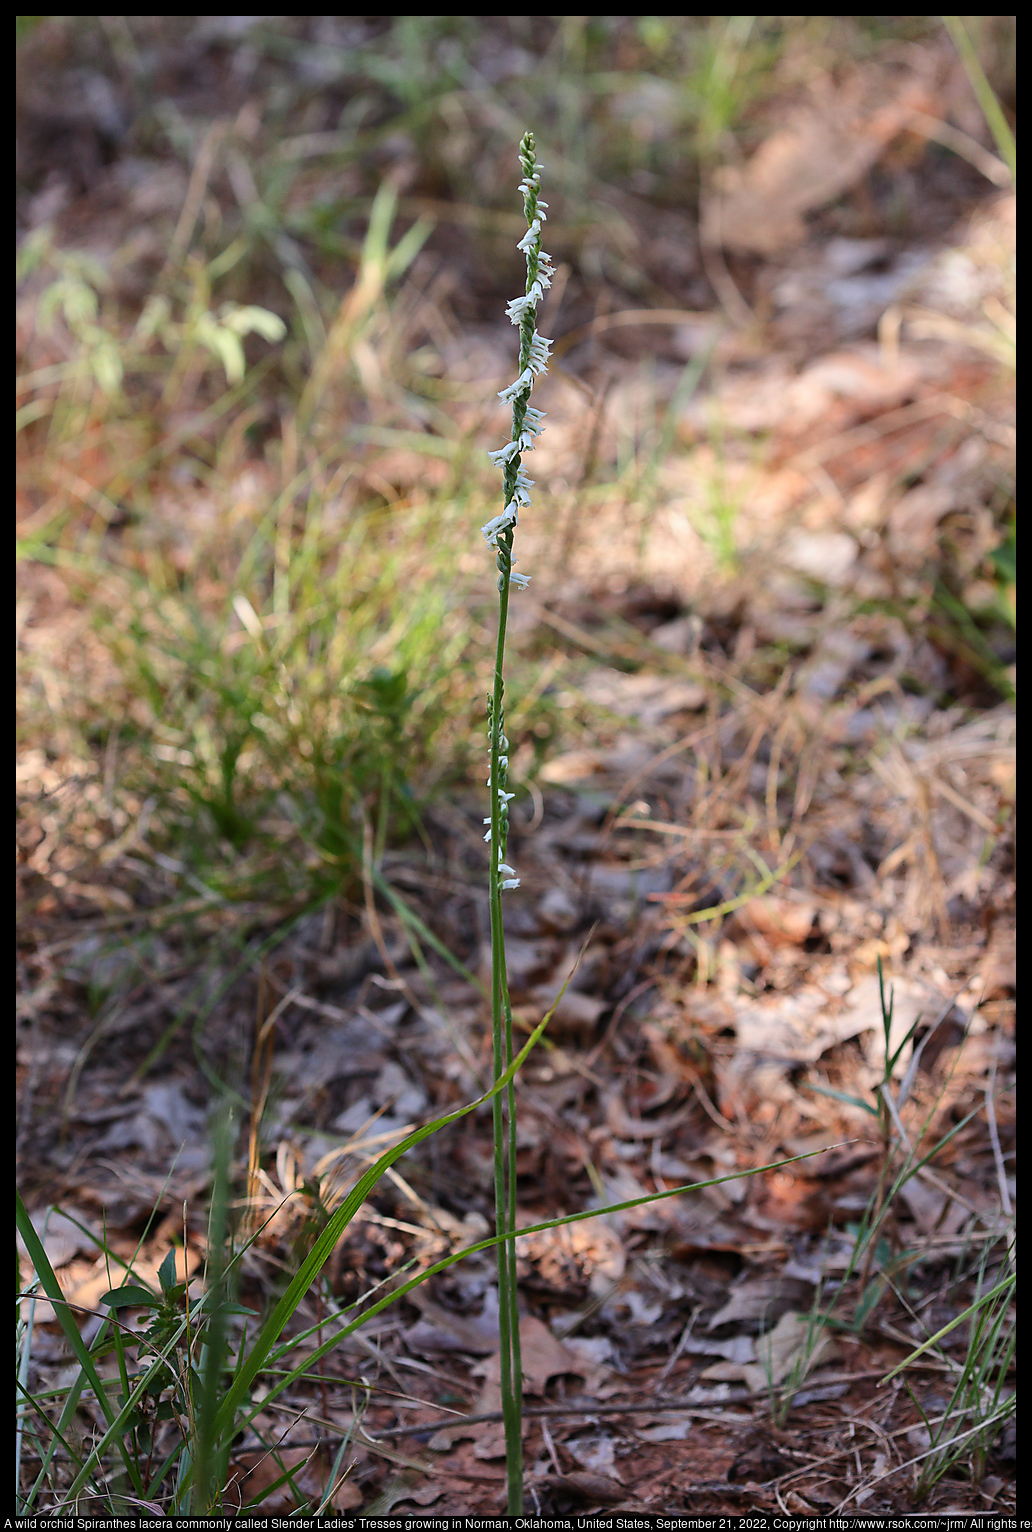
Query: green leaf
point(130, 1298)
point(167, 1272)
point(841, 1095)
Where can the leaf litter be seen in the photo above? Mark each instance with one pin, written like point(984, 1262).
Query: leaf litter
point(747, 837)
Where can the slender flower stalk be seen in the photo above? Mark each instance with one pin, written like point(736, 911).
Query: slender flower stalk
point(499, 533)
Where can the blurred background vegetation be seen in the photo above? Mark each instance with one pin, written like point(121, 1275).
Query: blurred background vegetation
point(263, 264)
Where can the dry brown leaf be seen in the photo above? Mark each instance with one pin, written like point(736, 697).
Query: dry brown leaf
point(779, 919)
point(597, 1487)
point(252, 1474)
point(826, 147)
point(440, 1331)
point(795, 1346)
point(543, 1356)
point(623, 1125)
point(586, 1257)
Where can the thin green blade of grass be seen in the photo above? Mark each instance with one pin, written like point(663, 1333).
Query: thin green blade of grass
point(211, 1449)
point(52, 1288)
point(338, 1222)
point(118, 1419)
point(1005, 1285)
point(446, 1262)
point(57, 1431)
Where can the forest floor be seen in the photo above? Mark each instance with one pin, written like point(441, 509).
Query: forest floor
point(762, 715)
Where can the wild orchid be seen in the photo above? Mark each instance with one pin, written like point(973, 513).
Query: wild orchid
point(499, 533)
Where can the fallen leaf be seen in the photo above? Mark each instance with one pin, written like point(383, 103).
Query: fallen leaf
point(825, 148)
point(441, 1331)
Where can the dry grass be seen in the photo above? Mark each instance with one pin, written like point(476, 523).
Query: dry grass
point(761, 709)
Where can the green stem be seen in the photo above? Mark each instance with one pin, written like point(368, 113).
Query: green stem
point(511, 1379)
point(532, 360)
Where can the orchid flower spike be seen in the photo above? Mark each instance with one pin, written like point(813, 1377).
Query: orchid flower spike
point(499, 531)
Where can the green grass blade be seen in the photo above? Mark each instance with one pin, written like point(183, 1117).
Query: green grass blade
point(492, 1242)
point(335, 1226)
point(52, 1288)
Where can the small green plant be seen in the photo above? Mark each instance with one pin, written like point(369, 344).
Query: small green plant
point(789, 1352)
point(981, 1398)
point(189, 330)
point(872, 1244)
point(161, 1333)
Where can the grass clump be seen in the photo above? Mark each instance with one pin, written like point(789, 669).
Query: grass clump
point(192, 1375)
